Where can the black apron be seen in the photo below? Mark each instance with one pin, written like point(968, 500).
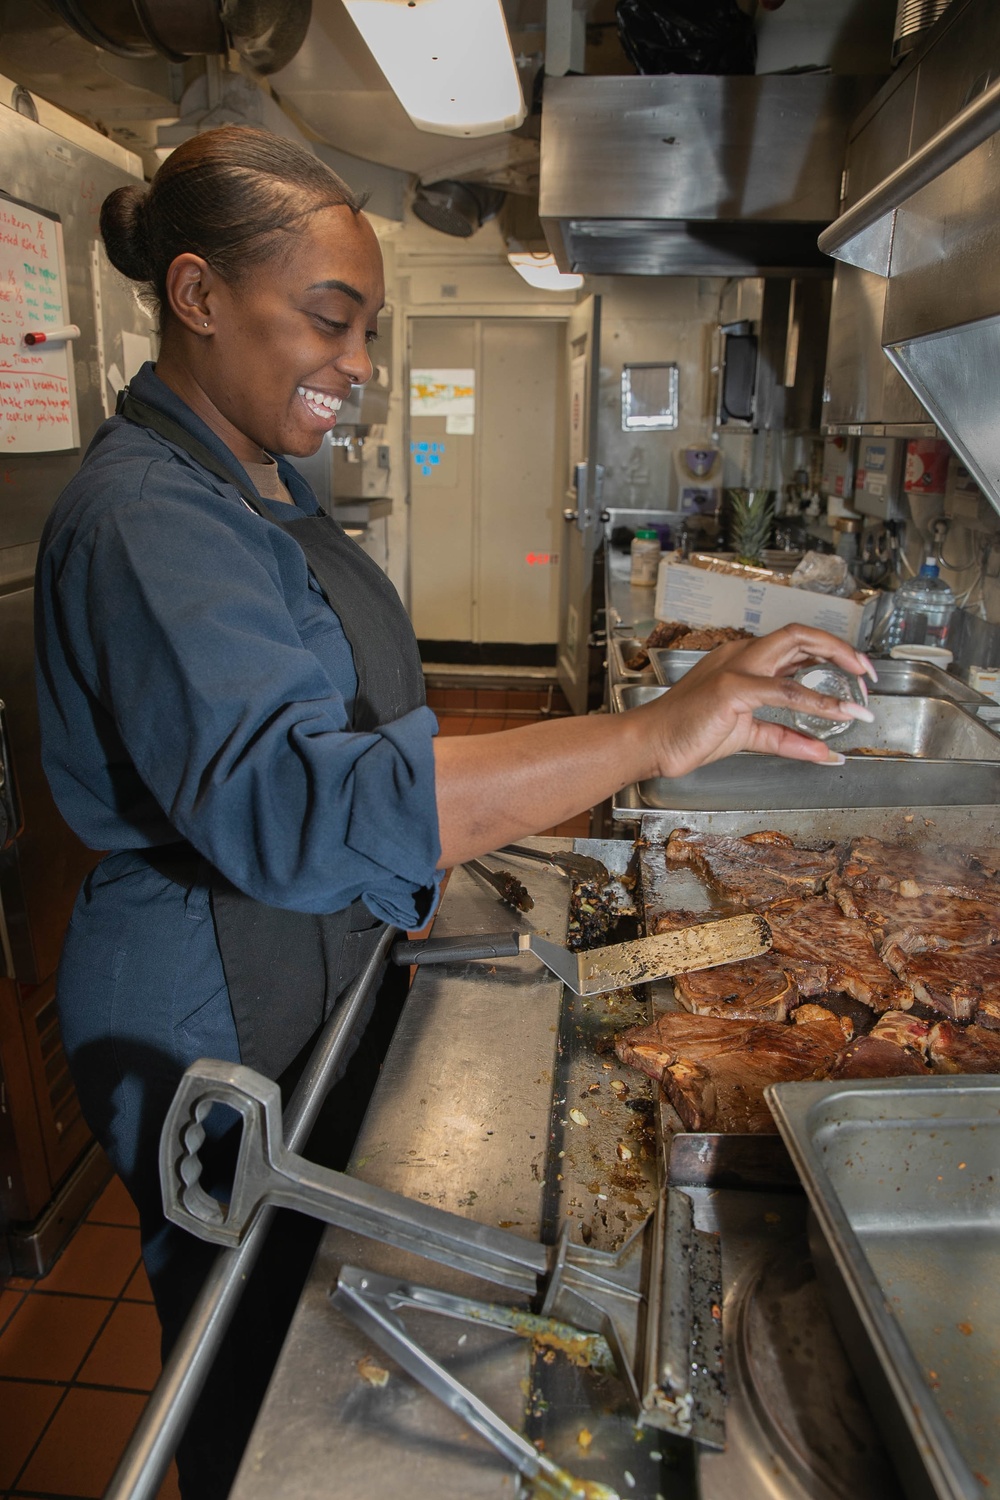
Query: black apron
point(285, 969)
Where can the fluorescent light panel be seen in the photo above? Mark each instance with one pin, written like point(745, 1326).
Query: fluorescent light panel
point(449, 62)
point(542, 272)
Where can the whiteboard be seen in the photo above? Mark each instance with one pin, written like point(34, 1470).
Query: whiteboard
point(37, 394)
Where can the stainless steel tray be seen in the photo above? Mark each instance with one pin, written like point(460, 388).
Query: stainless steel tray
point(620, 647)
point(922, 680)
point(903, 1178)
point(942, 734)
point(670, 666)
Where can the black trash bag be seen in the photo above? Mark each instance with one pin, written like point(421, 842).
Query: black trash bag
point(686, 36)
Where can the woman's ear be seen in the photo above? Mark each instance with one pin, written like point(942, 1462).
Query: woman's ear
point(190, 284)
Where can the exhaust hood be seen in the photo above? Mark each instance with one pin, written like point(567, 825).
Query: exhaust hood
point(932, 230)
point(693, 175)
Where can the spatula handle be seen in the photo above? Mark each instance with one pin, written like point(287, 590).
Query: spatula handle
point(454, 949)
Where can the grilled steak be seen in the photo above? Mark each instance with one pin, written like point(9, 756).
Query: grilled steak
point(715, 1072)
point(936, 869)
point(953, 984)
point(763, 989)
point(818, 932)
point(963, 1049)
point(919, 924)
point(757, 870)
point(873, 1057)
point(895, 1046)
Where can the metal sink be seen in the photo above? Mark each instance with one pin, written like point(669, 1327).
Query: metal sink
point(957, 761)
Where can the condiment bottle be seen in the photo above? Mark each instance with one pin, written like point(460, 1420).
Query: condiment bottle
point(645, 558)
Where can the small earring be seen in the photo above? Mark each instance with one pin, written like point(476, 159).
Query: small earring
point(204, 325)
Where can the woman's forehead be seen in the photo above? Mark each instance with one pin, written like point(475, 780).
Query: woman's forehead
point(337, 250)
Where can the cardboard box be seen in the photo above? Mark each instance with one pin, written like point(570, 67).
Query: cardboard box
point(698, 597)
point(986, 680)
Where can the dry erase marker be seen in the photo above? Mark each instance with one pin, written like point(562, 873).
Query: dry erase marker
point(53, 335)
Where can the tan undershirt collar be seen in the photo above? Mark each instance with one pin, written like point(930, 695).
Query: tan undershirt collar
point(267, 481)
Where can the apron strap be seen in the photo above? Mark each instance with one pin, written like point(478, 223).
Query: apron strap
point(145, 415)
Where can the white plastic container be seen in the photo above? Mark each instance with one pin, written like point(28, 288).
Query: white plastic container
point(923, 609)
point(645, 559)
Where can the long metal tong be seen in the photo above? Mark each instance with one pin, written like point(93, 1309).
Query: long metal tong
point(575, 866)
point(589, 1288)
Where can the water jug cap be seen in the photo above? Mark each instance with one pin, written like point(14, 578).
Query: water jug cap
point(929, 569)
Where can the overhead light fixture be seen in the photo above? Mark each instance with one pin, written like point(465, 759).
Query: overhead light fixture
point(542, 272)
point(449, 62)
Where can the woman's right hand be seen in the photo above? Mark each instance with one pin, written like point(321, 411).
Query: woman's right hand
point(709, 713)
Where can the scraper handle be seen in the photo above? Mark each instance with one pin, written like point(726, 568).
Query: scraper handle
point(454, 949)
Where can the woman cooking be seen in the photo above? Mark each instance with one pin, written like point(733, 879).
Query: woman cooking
point(232, 703)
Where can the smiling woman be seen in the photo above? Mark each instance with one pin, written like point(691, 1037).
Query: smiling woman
point(232, 704)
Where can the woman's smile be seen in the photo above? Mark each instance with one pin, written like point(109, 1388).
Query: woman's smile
point(322, 407)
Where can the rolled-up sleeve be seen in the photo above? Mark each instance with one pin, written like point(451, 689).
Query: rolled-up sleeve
point(226, 676)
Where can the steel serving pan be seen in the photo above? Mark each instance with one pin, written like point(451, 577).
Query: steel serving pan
point(903, 1176)
point(670, 666)
point(958, 761)
point(626, 646)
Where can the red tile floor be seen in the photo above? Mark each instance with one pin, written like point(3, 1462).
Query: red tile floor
point(79, 1349)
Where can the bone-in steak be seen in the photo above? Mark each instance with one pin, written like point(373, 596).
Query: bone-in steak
point(910, 870)
point(922, 923)
point(953, 984)
point(964, 1049)
point(817, 931)
point(715, 1072)
point(757, 870)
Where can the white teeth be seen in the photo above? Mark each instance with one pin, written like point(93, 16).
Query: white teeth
point(318, 401)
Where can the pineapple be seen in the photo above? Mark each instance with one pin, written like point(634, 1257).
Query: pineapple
point(750, 519)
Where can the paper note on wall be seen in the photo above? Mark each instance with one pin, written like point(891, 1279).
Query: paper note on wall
point(442, 393)
point(37, 394)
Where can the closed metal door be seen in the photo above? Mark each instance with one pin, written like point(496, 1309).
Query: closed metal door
point(485, 491)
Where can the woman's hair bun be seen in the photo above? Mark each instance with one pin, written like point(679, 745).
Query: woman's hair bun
point(125, 232)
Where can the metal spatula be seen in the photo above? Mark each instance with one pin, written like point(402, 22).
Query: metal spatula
point(615, 967)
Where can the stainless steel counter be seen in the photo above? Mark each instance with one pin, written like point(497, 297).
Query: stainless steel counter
point(471, 1109)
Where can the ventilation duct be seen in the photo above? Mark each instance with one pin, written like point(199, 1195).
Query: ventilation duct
point(690, 175)
point(456, 208)
point(266, 33)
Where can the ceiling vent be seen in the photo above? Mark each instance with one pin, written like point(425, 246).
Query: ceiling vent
point(456, 208)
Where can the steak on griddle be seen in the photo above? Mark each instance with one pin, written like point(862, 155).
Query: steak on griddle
point(817, 932)
point(922, 923)
point(757, 870)
point(963, 1049)
point(908, 870)
point(953, 984)
point(714, 1072)
point(883, 1052)
point(763, 989)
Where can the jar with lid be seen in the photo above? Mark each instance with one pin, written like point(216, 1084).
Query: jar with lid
point(923, 609)
point(645, 552)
